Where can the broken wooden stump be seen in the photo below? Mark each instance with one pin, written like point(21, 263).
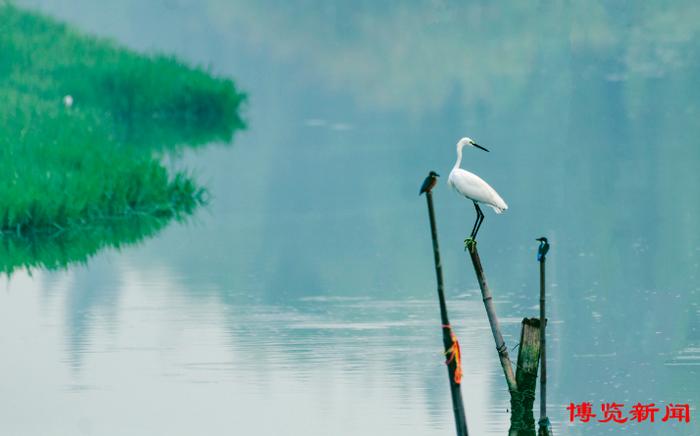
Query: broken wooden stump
point(522, 420)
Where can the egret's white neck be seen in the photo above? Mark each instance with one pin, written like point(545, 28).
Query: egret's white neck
point(459, 158)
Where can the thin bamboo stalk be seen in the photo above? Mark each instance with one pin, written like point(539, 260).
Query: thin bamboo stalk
point(545, 428)
point(543, 348)
point(493, 320)
point(452, 364)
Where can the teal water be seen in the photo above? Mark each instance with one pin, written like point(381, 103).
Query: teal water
point(302, 300)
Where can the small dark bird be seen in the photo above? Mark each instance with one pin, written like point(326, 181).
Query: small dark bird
point(542, 249)
point(429, 182)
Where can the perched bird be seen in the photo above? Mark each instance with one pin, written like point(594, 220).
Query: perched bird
point(429, 182)
point(542, 249)
point(474, 188)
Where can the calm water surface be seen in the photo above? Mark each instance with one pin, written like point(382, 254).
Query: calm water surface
point(302, 301)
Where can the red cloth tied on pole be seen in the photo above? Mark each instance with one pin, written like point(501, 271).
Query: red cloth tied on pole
point(455, 355)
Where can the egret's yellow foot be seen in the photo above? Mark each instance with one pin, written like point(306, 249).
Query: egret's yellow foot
point(468, 243)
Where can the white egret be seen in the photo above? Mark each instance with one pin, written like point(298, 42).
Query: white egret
point(474, 188)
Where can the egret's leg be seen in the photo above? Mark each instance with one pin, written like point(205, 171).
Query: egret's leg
point(470, 240)
point(480, 219)
point(476, 223)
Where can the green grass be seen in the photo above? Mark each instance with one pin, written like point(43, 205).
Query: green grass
point(63, 168)
point(137, 92)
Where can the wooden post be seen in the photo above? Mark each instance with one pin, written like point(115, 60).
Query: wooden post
point(493, 320)
point(522, 420)
point(526, 373)
point(452, 364)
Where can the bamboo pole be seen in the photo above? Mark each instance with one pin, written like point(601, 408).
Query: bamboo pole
point(544, 424)
point(493, 320)
point(543, 339)
point(452, 364)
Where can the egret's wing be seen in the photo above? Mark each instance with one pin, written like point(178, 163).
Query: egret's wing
point(475, 188)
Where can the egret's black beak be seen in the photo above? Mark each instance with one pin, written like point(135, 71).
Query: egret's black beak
point(478, 146)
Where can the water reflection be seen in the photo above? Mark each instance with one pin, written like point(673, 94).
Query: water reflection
point(64, 249)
